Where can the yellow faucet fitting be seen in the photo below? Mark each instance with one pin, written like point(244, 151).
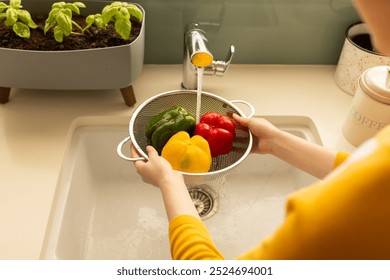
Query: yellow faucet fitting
point(201, 59)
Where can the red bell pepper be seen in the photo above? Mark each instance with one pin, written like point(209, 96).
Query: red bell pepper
point(219, 131)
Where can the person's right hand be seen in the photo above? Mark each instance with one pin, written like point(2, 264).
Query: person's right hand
point(263, 131)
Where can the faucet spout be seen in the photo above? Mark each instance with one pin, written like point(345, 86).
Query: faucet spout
point(197, 54)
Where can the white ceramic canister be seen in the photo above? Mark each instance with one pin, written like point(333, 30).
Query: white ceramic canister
point(356, 56)
point(370, 110)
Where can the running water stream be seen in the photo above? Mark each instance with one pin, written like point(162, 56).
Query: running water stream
point(200, 71)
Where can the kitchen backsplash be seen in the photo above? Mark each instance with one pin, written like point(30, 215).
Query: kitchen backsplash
point(263, 31)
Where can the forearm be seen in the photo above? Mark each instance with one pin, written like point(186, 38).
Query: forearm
point(176, 199)
point(307, 156)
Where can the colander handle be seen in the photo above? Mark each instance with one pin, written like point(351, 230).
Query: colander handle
point(252, 109)
point(120, 153)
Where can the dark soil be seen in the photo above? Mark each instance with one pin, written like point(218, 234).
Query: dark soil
point(94, 37)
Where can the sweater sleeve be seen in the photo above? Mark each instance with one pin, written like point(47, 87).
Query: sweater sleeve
point(190, 240)
point(345, 216)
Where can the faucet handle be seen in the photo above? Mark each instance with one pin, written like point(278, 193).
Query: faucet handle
point(219, 67)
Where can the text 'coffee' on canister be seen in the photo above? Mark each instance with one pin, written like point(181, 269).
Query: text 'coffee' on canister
point(370, 109)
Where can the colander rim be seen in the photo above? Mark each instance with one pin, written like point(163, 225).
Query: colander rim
point(174, 92)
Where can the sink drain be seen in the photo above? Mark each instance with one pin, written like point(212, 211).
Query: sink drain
point(204, 199)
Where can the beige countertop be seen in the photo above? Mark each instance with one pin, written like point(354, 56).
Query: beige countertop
point(35, 123)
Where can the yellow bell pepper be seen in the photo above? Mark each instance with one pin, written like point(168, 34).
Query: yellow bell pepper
point(187, 154)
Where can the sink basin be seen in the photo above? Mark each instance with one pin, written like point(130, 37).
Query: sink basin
point(103, 210)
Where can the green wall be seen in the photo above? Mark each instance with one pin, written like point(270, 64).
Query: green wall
point(263, 31)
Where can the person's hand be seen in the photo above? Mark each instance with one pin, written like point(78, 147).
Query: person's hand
point(263, 131)
point(157, 171)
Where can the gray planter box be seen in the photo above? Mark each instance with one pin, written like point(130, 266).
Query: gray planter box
point(91, 69)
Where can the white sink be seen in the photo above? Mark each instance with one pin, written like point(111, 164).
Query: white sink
point(103, 210)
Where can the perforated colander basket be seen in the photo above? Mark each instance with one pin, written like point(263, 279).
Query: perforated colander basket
point(221, 165)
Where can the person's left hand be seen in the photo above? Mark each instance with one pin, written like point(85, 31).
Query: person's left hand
point(157, 171)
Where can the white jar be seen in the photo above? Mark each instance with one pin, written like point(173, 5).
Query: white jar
point(355, 58)
point(370, 110)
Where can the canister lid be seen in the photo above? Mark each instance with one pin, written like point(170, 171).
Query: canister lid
point(375, 82)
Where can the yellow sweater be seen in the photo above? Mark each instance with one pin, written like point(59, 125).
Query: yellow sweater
point(345, 216)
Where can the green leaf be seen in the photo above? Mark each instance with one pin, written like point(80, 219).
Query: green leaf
point(26, 18)
point(58, 5)
point(105, 8)
point(79, 4)
point(88, 22)
point(16, 4)
point(21, 29)
point(64, 24)
point(90, 19)
point(3, 7)
point(123, 28)
point(12, 17)
point(53, 12)
point(72, 7)
point(124, 13)
point(51, 20)
point(109, 13)
point(58, 35)
point(135, 12)
point(100, 23)
point(67, 13)
point(49, 23)
point(2, 16)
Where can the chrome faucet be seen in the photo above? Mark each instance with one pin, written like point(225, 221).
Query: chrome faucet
point(197, 54)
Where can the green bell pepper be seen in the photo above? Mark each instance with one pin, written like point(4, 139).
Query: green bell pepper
point(163, 126)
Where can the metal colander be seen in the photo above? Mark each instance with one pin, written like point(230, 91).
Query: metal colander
point(187, 98)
